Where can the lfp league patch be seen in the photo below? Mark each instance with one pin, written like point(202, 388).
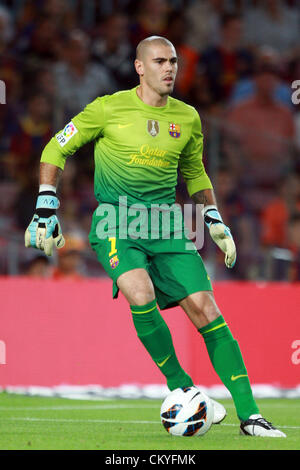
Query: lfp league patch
point(66, 134)
point(174, 130)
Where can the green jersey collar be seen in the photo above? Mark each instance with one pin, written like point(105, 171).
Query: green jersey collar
point(144, 105)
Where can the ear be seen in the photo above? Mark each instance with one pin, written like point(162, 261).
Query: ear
point(139, 67)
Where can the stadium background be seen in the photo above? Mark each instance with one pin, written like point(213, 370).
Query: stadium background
point(237, 62)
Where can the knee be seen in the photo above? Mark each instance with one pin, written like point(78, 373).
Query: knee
point(136, 286)
point(142, 297)
point(203, 308)
point(209, 307)
point(141, 293)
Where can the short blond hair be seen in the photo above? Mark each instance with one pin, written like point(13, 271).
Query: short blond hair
point(147, 42)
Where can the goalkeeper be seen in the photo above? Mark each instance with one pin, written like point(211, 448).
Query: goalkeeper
point(142, 136)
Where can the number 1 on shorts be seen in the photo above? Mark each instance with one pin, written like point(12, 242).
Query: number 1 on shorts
point(113, 249)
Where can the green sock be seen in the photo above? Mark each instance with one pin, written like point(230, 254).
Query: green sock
point(226, 357)
point(155, 335)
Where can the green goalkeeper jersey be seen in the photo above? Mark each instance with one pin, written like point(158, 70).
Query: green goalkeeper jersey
point(138, 148)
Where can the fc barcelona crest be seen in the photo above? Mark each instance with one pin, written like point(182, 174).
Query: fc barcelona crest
point(174, 130)
point(153, 127)
point(114, 261)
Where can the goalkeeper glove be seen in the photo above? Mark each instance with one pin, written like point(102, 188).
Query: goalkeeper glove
point(220, 234)
point(44, 229)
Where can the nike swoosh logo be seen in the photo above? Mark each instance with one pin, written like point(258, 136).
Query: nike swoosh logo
point(160, 364)
point(235, 377)
point(121, 126)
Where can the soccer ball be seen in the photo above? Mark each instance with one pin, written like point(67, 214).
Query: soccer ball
point(187, 412)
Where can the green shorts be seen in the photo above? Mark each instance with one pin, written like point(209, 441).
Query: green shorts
point(175, 271)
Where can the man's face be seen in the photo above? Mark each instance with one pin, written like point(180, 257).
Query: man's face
point(39, 107)
point(116, 29)
point(158, 68)
point(265, 84)
point(78, 52)
point(232, 33)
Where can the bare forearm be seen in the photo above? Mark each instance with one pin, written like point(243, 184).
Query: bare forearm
point(206, 197)
point(49, 174)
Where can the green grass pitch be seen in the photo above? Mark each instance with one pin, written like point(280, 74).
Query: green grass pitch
point(56, 423)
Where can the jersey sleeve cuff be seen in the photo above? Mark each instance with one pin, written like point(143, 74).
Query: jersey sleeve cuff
point(52, 155)
point(198, 184)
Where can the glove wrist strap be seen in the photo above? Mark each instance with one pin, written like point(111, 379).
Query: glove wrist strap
point(208, 208)
point(47, 200)
point(211, 215)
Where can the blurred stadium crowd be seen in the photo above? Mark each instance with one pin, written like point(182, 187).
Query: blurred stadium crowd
point(237, 62)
